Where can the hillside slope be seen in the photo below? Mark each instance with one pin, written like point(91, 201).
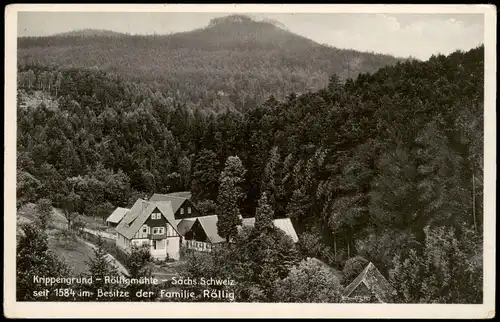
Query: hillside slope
point(234, 61)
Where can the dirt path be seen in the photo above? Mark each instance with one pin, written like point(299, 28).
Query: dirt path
point(101, 233)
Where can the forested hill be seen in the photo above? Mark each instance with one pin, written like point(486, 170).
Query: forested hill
point(231, 64)
point(388, 166)
point(91, 33)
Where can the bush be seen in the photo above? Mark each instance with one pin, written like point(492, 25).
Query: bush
point(310, 245)
point(353, 267)
point(206, 207)
point(309, 282)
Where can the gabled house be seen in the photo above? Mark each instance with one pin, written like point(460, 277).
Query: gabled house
point(181, 204)
point(150, 224)
point(116, 216)
point(154, 224)
point(200, 233)
point(370, 283)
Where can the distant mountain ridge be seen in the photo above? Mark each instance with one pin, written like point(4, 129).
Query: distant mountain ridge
point(89, 32)
point(237, 56)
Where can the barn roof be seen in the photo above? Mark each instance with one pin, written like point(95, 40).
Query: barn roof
point(374, 281)
point(284, 224)
point(117, 215)
point(140, 212)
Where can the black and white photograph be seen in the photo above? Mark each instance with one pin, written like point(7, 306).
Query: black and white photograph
point(249, 156)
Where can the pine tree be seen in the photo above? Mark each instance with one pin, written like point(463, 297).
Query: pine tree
point(44, 209)
point(264, 215)
point(185, 172)
point(139, 265)
point(445, 270)
point(228, 199)
point(272, 182)
point(205, 178)
point(34, 259)
point(99, 267)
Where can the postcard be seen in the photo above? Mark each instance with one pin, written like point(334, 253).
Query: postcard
point(250, 161)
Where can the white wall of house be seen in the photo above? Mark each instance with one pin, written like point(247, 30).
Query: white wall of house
point(141, 242)
point(173, 247)
point(121, 241)
point(170, 245)
point(143, 232)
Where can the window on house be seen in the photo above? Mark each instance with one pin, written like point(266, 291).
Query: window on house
point(189, 210)
point(158, 230)
point(145, 230)
point(182, 211)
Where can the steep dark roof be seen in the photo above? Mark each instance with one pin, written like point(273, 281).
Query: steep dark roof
point(139, 213)
point(375, 282)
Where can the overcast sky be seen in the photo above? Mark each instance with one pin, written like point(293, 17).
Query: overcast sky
point(418, 35)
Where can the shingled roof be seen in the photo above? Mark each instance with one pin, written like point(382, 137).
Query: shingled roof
point(375, 282)
point(140, 212)
point(176, 198)
point(117, 215)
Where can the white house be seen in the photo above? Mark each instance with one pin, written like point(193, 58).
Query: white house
point(154, 224)
point(150, 224)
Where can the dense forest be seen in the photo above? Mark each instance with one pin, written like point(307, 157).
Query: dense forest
point(233, 63)
point(386, 166)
